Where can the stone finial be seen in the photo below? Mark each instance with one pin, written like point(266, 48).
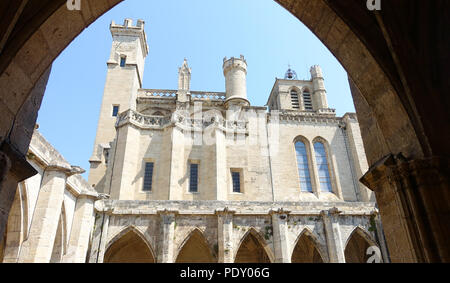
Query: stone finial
point(184, 78)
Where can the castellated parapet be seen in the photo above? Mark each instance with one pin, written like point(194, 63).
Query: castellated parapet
point(235, 72)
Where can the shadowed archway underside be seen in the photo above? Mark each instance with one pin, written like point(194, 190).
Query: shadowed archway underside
point(305, 251)
point(398, 64)
point(251, 251)
point(195, 250)
point(129, 249)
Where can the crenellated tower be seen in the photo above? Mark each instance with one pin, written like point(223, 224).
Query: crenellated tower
point(123, 80)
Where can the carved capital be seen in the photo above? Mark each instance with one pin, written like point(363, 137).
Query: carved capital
point(333, 212)
point(396, 168)
point(279, 211)
point(224, 212)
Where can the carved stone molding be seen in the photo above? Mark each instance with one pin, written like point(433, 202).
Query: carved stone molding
point(14, 162)
point(226, 211)
point(414, 195)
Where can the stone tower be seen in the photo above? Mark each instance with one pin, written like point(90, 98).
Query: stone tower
point(293, 94)
point(124, 78)
point(235, 72)
point(320, 93)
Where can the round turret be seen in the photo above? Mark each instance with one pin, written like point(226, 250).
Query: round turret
point(235, 72)
point(320, 93)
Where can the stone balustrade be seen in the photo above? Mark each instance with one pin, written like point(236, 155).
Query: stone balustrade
point(158, 122)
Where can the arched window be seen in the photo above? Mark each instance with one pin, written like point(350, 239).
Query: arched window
point(307, 100)
point(322, 167)
point(294, 99)
point(303, 167)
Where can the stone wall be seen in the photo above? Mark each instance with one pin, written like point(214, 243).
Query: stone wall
point(246, 218)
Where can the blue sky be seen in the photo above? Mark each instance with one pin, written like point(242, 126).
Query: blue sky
point(204, 32)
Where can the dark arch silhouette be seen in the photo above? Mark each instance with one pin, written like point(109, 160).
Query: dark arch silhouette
point(401, 98)
point(195, 249)
point(357, 245)
point(252, 249)
point(306, 249)
point(129, 246)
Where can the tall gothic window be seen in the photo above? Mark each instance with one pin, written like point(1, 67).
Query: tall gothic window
point(307, 100)
point(323, 167)
point(294, 99)
point(303, 167)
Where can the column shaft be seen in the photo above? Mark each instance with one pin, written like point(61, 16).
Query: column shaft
point(81, 228)
point(39, 246)
point(225, 236)
point(167, 234)
point(280, 237)
point(334, 237)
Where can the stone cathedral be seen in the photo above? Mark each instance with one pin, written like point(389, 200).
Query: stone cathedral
point(198, 177)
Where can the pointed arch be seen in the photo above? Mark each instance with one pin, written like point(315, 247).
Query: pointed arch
point(195, 249)
point(307, 249)
point(303, 160)
point(356, 246)
point(59, 245)
point(325, 169)
point(253, 249)
point(129, 246)
point(23, 189)
point(14, 234)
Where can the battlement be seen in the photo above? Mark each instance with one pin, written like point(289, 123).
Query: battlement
point(128, 29)
point(233, 63)
point(128, 24)
point(316, 72)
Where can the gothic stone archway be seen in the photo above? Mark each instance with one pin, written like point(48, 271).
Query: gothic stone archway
point(397, 60)
point(306, 249)
point(195, 249)
point(252, 249)
point(357, 246)
point(129, 247)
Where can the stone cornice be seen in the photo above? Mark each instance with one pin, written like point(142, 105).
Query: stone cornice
point(238, 208)
point(303, 117)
